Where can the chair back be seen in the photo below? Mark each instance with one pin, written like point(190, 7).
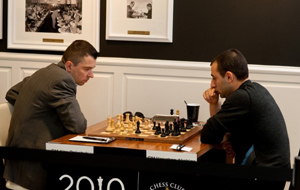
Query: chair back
point(6, 110)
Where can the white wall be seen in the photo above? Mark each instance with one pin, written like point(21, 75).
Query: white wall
point(156, 86)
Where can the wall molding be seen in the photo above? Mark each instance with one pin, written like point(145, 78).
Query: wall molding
point(148, 63)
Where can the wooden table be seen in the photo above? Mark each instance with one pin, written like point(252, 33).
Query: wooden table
point(198, 148)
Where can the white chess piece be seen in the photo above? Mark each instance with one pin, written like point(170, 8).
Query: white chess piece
point(108, 128)
point(127, 118)
point(129, 128)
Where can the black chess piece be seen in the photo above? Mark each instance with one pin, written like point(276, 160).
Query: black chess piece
point(167, 130)
point(154, 125)
point(174, 123)
point(171, 127)
point(171, 112)
point(182, 126)
point(182, 120)
point(158, 126)
point(167, 123)
point(190, 123)
point(158, 130)
point(163, 133)
point(138, 128)
point(176, 132)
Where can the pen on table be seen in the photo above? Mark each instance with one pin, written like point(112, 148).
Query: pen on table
point(180, 146)
point(95, 138)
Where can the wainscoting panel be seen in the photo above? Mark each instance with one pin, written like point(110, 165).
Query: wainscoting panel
point(96, 97)
point(157, 94)
point(5, 80)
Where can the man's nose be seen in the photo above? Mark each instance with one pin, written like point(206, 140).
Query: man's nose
point(91, 74)
point(212, 84)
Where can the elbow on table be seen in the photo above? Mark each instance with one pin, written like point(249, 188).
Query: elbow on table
point(204, 140)
point(81, 130)
point(83, 127)
point(78, 126)
point(210, 140)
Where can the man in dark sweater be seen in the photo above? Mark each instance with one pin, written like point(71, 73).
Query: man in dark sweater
point(250, 114)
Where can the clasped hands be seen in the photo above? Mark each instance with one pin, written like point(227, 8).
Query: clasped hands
point(227, 146)
point(211, 96)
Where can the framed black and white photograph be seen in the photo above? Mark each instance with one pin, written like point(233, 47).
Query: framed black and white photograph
point(1, 18)
point(52, 24)
point(139, 20)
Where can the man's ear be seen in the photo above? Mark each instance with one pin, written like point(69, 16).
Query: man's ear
point(229, 76)
point(69, 66)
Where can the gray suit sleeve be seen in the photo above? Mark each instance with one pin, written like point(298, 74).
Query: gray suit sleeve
point(67, 107)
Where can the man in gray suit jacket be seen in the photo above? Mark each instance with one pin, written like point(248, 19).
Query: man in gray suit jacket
point(46, 108)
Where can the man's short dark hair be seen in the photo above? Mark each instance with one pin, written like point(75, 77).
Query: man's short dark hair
point(78, 50)
point(234, 61)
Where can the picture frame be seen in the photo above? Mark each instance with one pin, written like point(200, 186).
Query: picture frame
point(23, 33)
point(122, 26)
point(1, 18)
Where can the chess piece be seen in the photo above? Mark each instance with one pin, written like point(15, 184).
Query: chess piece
point(163, 133)
point(133, 123)
point(108, 121)
point(108, 118)
point(122, 129)
point(127, 120)
point(138, 128)
point(182, 126)
point(158, 130)
point(171, 127)
point(173, 133)
point(190, 123)
point(112, 125)
point(177, 113)
point(146, 125)
point(167, 130)
point(154, 125)
point(137, 118)
point(167, 123)
point(129, 128)
point(117, 129)
point(176, 131)
point(108, 128)
point(118, 120)
point(171, 112)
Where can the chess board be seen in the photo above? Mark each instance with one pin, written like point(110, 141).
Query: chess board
point(148, 135)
